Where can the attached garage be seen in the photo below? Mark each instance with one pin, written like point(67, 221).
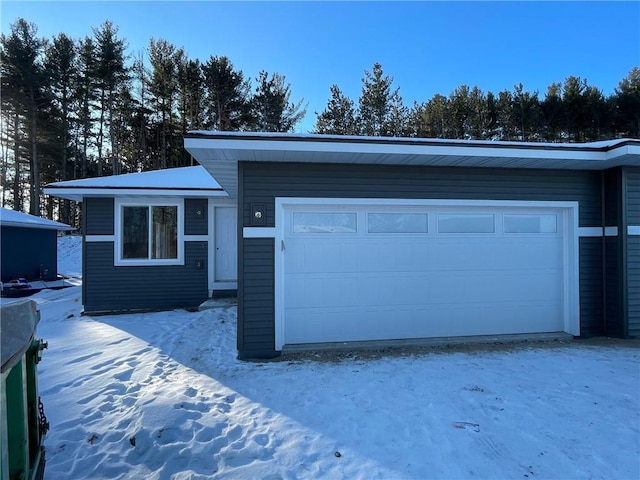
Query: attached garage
point(394, 269)
point(347, 239)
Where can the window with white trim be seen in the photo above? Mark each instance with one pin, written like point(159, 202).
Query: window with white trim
point(397, 222)
point(466, 223)
point(149, 233)
point(531, 223)
point(324, 222)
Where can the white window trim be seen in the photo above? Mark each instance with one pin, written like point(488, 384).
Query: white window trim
point(119, 203)
point(568, 210)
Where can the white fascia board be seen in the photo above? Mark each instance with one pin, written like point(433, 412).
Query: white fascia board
point(385, 149)
point(78, 194)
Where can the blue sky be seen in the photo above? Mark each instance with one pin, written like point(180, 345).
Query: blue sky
point(428, 47)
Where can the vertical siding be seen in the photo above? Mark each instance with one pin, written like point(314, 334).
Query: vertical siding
point(591, 286)
point(614, 314)
point(256, 298)
point(111, 288)
point(633, 252)
point(98, 216)
point(195, 223)
point(260, 183)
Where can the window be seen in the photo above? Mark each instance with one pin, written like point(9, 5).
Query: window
point(466, 223)
point(531, 223)
point(149, 234)
point(317, 222)
point(397, 223)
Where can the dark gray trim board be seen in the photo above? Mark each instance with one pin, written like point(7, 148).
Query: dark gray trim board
point(261, 182)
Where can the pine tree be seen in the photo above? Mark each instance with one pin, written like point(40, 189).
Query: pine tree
point(23, 73)
point(163, 82)
point(86, 94)
point(111, 76)
point(551, 108)
point(375, 102)
point(339, 117)
point(62, 69)
point(626, 105)
point(272, 110)
point(227, 100)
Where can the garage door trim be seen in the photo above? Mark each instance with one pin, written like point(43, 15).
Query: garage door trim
point(569, 210)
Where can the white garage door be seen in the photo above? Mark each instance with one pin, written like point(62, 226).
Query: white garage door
point(397, 271)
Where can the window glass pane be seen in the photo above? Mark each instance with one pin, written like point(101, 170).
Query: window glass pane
point(465, 223)
point(397, 222)
point(531, 223)
point(164, 241)
point(135, 232)
point(316, 222)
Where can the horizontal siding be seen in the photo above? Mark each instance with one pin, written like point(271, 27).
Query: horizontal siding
point(98, 216)
point(262, 182)
point(30, 253)
point(591, 301)
point(194, 223)
point(256, 328)
point(111, 288)
point(633, 196)
point(633, 283)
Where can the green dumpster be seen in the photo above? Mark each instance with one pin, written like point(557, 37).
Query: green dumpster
point(22, 415)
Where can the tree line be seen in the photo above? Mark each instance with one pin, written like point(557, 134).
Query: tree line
point(570, 111)
point(74, 109)
point(78, 108)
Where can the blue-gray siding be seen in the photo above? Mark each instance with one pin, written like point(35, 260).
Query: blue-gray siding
point(98, 215)
point(256, 298)
point(109, 288)
point(195, 216)
point(30, 253)
point(260, 183)
point(633, 252)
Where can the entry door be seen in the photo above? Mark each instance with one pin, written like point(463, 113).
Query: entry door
point(226, 268)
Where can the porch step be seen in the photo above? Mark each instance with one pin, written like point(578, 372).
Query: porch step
point(223, 302)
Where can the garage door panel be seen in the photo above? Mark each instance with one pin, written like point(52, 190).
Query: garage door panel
point(355, 285)
point(415, 321)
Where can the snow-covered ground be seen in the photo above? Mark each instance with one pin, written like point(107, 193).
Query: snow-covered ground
point(162, 396)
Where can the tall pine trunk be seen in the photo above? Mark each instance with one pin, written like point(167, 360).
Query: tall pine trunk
point(17, 199)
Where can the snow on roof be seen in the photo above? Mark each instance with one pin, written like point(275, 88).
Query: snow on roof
point(193, 181)
point(183, 178)
point(12, 218)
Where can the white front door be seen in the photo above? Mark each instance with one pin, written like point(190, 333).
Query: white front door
point(226, 258)
point(392, 271)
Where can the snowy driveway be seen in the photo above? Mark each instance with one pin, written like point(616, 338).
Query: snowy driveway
point(162, 396)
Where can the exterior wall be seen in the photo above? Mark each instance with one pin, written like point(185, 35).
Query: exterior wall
point(633, 251)
point(110, 288)
point(30, 253)
point(196, 216)
point(614, 320)
point(622, 260)
point(261, 183)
